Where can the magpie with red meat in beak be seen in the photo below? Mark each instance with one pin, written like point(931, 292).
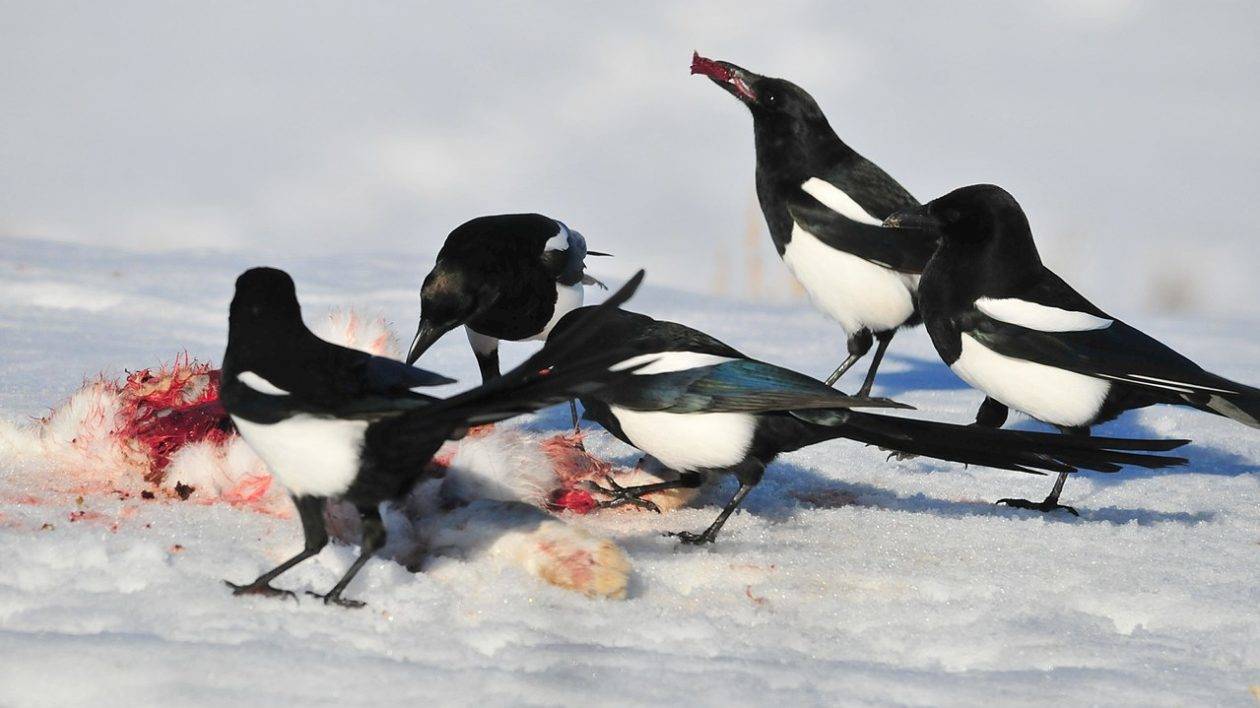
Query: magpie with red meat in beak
point(1012, 328)
point(701, 407)
point(824, 204)
point(336, 422)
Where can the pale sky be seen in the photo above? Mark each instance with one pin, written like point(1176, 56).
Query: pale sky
point(1128, 130)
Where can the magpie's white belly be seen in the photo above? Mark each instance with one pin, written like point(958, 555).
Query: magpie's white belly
point(568, 299)
point(851, 290)
point(309, 455)
point(689, 441)
point(1048, 394)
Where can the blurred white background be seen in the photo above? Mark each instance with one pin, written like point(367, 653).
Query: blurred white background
point(1128, 130)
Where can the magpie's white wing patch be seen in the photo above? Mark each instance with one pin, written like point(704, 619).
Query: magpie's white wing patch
point(259, 384)
point(559, 242)
point(836, 200)
point(666, 362)
point(1042, 318)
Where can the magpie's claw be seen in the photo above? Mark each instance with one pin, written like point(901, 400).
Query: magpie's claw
point(337, 599)
point(1042, 506)
point(262, 589)
point(619, 495)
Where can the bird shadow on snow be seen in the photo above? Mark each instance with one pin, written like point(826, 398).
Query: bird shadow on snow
point(788, 489)
point(1203, 459)
point(919, 375)
point(793, 489)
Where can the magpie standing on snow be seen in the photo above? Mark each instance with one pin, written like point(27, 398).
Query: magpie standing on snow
point(510, 276)
point(1013, 329)
point(701, 407)
point(824, 204)
point(336, 422)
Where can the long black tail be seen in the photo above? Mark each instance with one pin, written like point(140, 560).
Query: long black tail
point(1228, 398)
point(563, 369)
point(1036, 453)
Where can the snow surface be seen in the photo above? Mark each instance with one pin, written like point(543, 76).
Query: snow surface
point(846, 578)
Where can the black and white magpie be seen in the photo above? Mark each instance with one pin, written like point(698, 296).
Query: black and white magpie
point(508, 276)
point(336, 422)
point(824, 204)
point(1010, 327)
point(699, 406)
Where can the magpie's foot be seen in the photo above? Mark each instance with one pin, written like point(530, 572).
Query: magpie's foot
point(692, 539)
point(619, 495)
point(1044, 507)
point(264, 589)
point(337, 599)
point(898, 455)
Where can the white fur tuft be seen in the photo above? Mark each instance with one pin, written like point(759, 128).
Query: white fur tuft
point(350, 329)
point(503, 466)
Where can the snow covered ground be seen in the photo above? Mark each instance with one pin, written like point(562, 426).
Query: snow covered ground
point(846, 579)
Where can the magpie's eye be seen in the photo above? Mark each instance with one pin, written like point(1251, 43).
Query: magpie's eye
point(772, 98)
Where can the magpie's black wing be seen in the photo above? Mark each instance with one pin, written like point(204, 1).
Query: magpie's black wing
point(364, 386)
point(738, 386)
point(903, 250)
point(386, 376)
point(1052, 324)
point(879, 194)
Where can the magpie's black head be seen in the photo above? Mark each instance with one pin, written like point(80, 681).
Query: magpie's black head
point(769, 99)
point(449, 298)
point(976, 214)
point(265, 297)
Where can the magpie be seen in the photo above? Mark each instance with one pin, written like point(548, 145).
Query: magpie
point(824, 204)
point(1010, 327)
point(507, 276)
point(701, 407)
point(336, 422)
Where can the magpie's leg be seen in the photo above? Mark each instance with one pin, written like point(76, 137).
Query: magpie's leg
point(488, 364)
point(372, 541)
point(992, 414)
point(1051, 502)
point(311, 512)
point(633, 495)
point(749, 473)
point(859, 345)
point(883, 339)
point(486, 349)
point(574, 415)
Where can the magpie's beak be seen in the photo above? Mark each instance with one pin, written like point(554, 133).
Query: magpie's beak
point(736, 81)
point(918, 217)
point(598, 253)
point(426, 335)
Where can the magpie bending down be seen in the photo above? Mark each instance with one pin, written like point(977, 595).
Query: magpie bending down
point(700, 407)
point(335, 422)
point(1013, 329)
point(824, 204)
point(510, 276)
